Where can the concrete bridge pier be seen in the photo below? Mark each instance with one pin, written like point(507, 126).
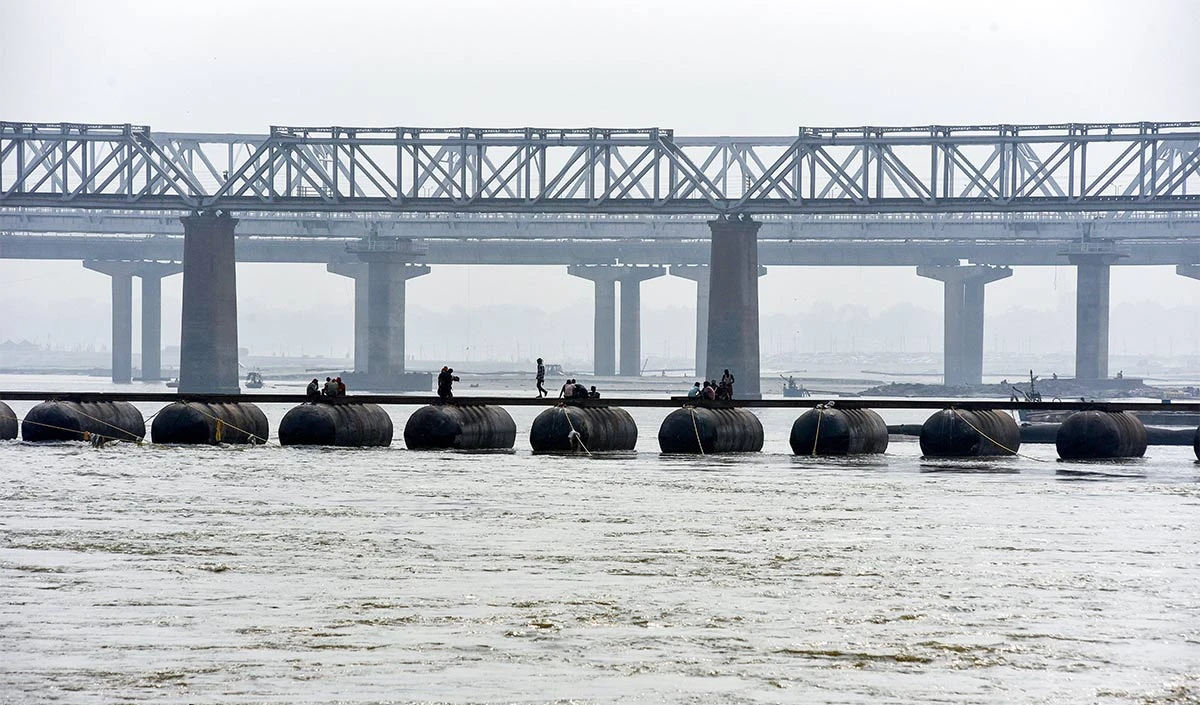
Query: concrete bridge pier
point(631, 279)
point(122, 274)
point(1091, 314)
point(699, 274)
point(152, 274)
point(387, 276)
point(604, 322)
point(208, 355)
point(963, 338)
point(358, 272)
point(1191, 271)
point(733, 304)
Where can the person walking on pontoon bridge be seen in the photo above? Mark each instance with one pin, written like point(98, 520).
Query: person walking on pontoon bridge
point(445, 383)
point(541, 378)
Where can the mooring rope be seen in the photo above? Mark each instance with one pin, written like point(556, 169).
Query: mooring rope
point(87, 436)
point(696, 428)
point(817, 435)
point(993, 440)
point(573, 434)
point(102, 422)
point(222, 423)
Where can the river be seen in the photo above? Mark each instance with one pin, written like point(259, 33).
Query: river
point(145, 573)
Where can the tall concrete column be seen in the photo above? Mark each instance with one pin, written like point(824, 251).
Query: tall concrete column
point(208, 355)
point(699, 274)
point(604, 321)
point(121, 274)
point(358, 272)
point(1091, 315)
point(733, 303)
point(386, 280)
point(1192, 271)
point(962, 340)
point(151, 274)
point(631, 279)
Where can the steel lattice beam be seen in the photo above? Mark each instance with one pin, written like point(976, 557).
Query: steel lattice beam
point(990, 168)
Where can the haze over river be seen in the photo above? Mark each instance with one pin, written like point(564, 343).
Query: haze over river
point(307, 575)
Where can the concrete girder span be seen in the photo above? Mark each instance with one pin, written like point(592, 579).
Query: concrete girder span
point(151, 274)
point(963, 317)
point(605, 278)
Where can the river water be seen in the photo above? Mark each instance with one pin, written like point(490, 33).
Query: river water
point(307, 575)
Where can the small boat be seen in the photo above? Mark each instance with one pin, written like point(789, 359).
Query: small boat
point(173, 383)
point(791, 389)
point(254, 380)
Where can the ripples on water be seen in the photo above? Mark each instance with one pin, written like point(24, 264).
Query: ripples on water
point(283, 575)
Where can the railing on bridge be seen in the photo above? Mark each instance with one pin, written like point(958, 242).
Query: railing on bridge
point(994, 168)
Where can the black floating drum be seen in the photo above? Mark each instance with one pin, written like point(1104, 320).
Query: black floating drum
point(336, 424)
point(839, 432)
point(70, 420)
point(200, 423)
point(8, 423)
point(957, 433)
point(569, 428)
point(1101, 434)
point(702, 429)
point(463, 427)
point(1196, 443)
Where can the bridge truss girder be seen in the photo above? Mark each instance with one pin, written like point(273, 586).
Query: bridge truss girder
point(998, 168)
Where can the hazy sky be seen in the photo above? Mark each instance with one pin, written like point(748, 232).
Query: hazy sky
point(699, 67)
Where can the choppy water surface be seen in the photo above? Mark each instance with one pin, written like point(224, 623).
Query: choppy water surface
point(283, 575)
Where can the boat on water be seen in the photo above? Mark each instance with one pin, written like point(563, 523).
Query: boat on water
point(1158, 417)
point(173, 383)
point(791, 389)
point(254, 380)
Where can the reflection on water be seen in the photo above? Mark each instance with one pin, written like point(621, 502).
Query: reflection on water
point(317, 575)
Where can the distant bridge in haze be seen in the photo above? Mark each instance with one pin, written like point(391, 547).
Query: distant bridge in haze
point(618, 206)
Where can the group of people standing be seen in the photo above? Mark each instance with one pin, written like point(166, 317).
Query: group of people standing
point(333, 387)
point(713, 389)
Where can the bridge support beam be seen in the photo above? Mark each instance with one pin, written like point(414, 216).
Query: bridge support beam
point(733, 303)
point(1091, 315)
point(358, 272)
point(1191, 271)
point(122, 274)
point(699, 274)
point(387, 276)
point(963, 317)
point(208, 346)
point(631, 279)
point(604, 321)
point(152, 274)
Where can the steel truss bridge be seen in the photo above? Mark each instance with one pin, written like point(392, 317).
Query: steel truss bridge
point(1074, 167)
